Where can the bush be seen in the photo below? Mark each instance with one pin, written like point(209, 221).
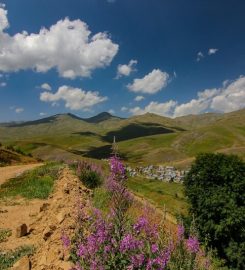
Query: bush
point(215, 187)
point(89, 174)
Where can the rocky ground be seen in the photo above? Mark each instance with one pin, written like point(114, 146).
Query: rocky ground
point(42, 222)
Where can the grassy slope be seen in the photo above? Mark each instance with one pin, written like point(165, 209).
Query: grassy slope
point(69, 137)
point(160, 194)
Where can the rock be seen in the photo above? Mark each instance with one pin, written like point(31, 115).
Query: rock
point(48, 232)
point(44, 207)
point(21, 230)
point(60, 217)
point(22, 264)
point(66, 188)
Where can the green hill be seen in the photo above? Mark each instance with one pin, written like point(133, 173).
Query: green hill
point(146, 138)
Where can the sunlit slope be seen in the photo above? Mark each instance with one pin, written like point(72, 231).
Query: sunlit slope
point(147, 138)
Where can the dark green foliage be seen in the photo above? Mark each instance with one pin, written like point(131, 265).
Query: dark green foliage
point(90, 179)
point(89, 174)
point(37, 183)
point(215, 187)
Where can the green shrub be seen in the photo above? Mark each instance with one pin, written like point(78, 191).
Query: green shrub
point(215, 187)
point(89, 174)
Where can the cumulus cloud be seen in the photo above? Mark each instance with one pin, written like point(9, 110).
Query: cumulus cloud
point(151, 83)
point(126, 70)
point(67, 46)
point(42, 113)
point(111, 111)
point(139, 98)
point(19, 110)
point(212, 51)
point(74, 98)
point(230, 97)
point(200, 55)
point(164, 108)
point(124, 109)
point(3, 84)
point(46, 86)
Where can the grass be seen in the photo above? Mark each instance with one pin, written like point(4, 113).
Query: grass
point(101, 199)
point(160, 194)
point(8, 259)
point(37, 183)
point(4, 234)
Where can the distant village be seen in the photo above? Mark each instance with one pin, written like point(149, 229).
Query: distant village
point(161, 173)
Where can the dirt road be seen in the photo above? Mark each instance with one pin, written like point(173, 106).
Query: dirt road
point(13, 171)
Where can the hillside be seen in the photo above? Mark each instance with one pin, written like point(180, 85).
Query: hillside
point(146, 138)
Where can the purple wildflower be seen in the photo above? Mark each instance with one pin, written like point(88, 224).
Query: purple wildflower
point(192, 244)
point(129, 243)
point(180, 232)
point(154, 248)
point(137, 260)
point(66, 240)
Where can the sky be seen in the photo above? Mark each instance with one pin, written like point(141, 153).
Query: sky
point(127, 57)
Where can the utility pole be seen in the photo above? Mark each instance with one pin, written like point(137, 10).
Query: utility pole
point(114, 147)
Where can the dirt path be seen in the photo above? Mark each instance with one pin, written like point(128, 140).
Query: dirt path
point(13, 171)
point(46, 220)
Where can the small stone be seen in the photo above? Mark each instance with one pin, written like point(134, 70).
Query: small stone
point(52, 227)
point(60, 217)
point(66, 189)
point(48, 232)
point(44, 207)
point(21, 230)
point(22, 264)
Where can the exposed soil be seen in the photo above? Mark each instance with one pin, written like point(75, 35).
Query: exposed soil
point(13, 171)
point(45, 225)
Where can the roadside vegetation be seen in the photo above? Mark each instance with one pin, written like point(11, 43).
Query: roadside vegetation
point(7, 259)
point(37, 183)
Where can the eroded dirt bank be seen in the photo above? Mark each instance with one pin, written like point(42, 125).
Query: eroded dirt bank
point(46, 220)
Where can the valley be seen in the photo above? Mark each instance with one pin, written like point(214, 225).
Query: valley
point(146, 139)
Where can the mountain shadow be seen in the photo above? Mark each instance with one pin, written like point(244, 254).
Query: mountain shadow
point(135, 130)
point(101, 152)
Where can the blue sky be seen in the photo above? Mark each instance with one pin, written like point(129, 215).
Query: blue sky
point(129, 57)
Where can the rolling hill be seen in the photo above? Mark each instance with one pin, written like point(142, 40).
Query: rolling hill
point(146, 138)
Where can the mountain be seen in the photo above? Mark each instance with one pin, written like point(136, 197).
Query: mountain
point(104, 116)
point(147, 138)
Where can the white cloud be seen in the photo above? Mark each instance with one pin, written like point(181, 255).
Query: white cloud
point(164, 109)
point(200, 55)
point(3, 84)
point(75, 98)
point(139, 98)
point(212, 51)
point(151, 83)
point(3, 18)
point(46, 86)
point(19, 110)
point(111, 111)
point(124, 109)
point(42, 113)
point(67, 46)
point(126, 70)
point(230, 97)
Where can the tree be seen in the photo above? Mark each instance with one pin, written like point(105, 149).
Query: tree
point(215, 187)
